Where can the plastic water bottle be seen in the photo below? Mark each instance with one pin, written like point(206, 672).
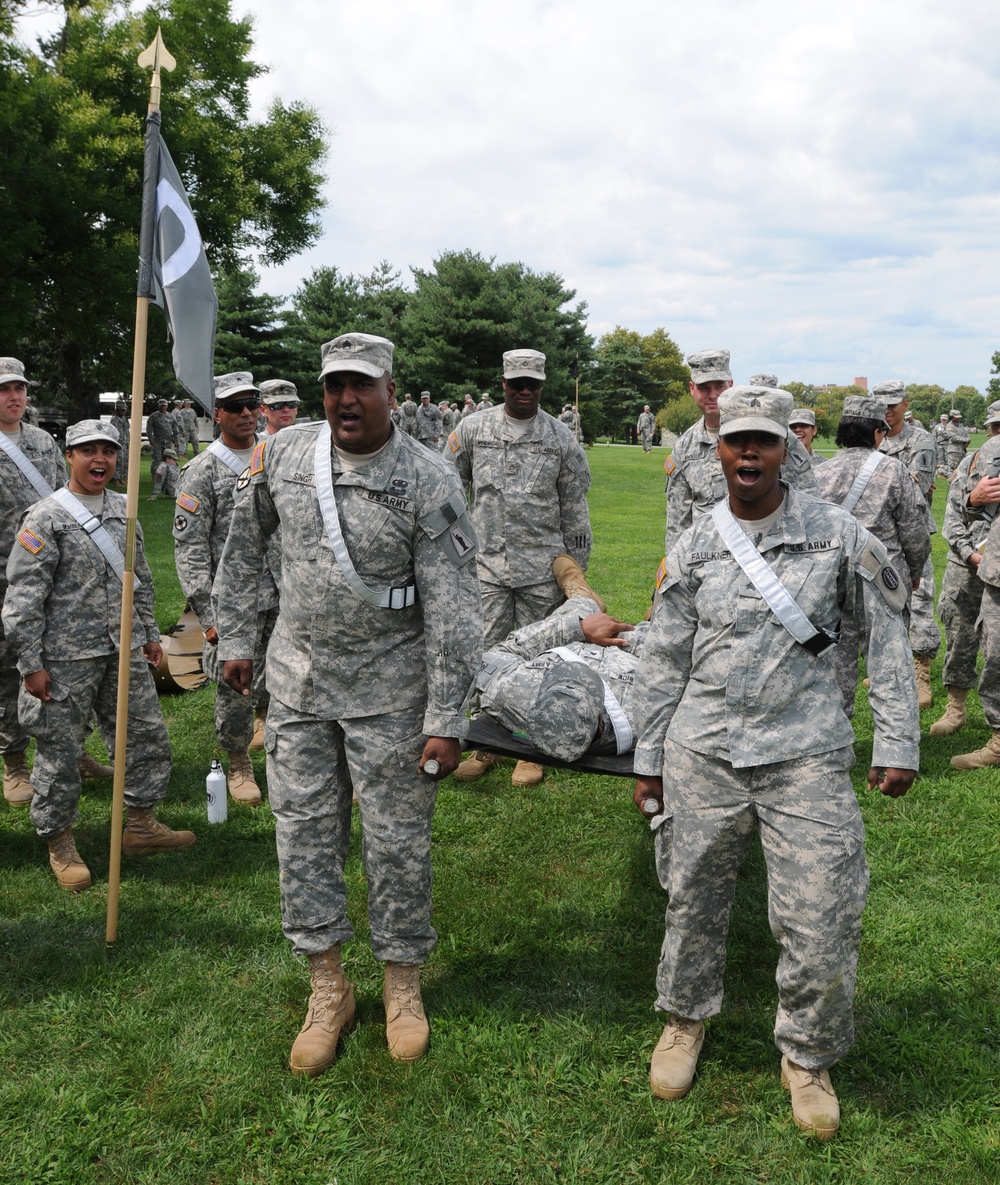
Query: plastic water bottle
point(215, 788)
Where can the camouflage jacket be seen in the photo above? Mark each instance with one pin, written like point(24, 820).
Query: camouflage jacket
point(695, 482)
point(17, 493)
point(201, 523)
point(645, 423)
point(64, 601)
point(817, 459)
point(528, 495)
point(162, 427)
point(987, 461)
point(513, 671)
point(721, 675)
point(427, 424)
point(963, 533)
point(332, 654)
point(915, 448)
point(890, 507)
point(123, 426)
point(170, 477)
point(188, 419)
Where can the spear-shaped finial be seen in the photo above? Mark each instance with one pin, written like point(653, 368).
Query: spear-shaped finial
point(157, 56)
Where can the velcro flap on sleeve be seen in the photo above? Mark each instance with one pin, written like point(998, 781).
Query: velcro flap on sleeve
point(436, 521)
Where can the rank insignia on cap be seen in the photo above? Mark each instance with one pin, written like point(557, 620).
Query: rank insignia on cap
point(30, 540)
point(186, 502)
point(257, 460)
point(669, 465)
point(661, 572)
point(454, 443)
point(755, 403)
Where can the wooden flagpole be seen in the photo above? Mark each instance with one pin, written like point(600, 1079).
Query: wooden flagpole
point(154, 55)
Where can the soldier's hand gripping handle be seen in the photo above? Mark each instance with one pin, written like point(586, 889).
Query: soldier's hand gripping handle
point(446, 752)
point(238, 673)
point(648, 796)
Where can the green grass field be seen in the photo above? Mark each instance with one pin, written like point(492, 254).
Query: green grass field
point(164, 1060)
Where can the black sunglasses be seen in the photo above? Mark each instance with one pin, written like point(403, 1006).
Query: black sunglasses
point(281, 406)
point(238, 405)
point(524, 384)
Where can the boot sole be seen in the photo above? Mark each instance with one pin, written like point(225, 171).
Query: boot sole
point(152, 849)
point(671, 1093)
point(17, 800)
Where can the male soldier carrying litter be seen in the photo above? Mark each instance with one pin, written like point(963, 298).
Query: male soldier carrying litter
point(370, 672)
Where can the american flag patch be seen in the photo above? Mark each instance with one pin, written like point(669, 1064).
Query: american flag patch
point(454, 443)
point(257, 460)
point(186, 502)
point(669, 465)
point(31, 541)
point(661, 572)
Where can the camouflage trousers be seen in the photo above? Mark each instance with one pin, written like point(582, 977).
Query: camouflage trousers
point(157, 447)
point(958, 607)
point(82, 688)
point(647, 441)
point(234, 714)
point(121, 463)
point(508, 609)
point(989, 680)
point(313, 769)
point(817, 882)
point(13, 738)
point(192, 439)
point(925, 636)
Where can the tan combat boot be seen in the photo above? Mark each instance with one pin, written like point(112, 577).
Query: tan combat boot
point(16, 787)
point(406, 1029)
point(475, 765)
point(989, 754)
point(145, 834)
point(671, 1070)
point(527, 773)
point(70, 870)
point(330, 1013)
point(242, 784)
point(922, 669)
point(90, 767)
point(258, 731)
point(954, 716)
point(571, 579)
point(814, 1104)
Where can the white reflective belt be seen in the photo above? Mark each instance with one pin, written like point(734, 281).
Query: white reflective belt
point(872, 462)
point(624, 739)
point(226, 454)
point(99, 536)
point(762, 576)
point(399, 597)
point(42, 487)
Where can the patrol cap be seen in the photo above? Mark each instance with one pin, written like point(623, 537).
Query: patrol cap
point(862, 407)
point(993, 413)
point(567, 710)
point(710, 366)
point(362, 352)
point(237, 382)
point(891, 392)
point(278, 391)
point(955, 414)
point(425, 394)
point(907, 415)
point(523, 364)
point(169, 452)
point(944, 417)
point(763, 380)
point(754, 409)
point(802, 415)
point(84, 431)
point(13, 372)
point(163, 402)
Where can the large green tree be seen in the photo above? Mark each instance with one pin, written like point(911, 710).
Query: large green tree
point(72, 113)
point(634, 369)
point(466, 310)
point(248, 335)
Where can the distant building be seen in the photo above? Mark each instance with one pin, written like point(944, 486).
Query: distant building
point(861, 382)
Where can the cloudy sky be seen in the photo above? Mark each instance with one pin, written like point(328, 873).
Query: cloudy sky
point(813, 185)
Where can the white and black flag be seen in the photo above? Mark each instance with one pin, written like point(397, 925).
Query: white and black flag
point(173, 268)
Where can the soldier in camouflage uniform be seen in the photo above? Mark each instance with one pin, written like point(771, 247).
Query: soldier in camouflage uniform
point(161, 432)
point(694, 476)
point(188, 419)
point(485, 403)
point(30, 413)
point(61, 618)
point(527, 479)
point(915, 448)
point(802, 422)
point(885, 501)
point(279, 405)
point(201, 523)
point(427, 422)
point(940, 433)
point(958, 441)
point(120, 423)
point(645, 425)
point(740, 724)
point(166, 480)
point(370, 673)
point(468, 407)
point(33, 447)
point(449, 419)
point(408, 410)
point(960, 602)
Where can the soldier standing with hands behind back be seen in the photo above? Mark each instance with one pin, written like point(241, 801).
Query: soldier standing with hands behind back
point(370, 672)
